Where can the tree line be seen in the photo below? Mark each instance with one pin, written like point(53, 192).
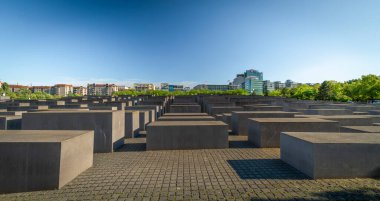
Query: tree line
point(366, 88)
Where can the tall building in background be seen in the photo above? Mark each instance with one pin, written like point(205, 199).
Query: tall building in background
point(290, 84)
point(62, 89)
point(251, 80)
point(144, 86)
point(268, 86)
point(239, 81)
point(101, 89)
point(254, 73)
point(254, 85)
point(279, 85)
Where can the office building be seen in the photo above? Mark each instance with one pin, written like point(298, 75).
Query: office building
point(62, 89)
point(239, 81)
point(80, 90)
point(144, 86)
point(279, 85)
point(46, 89)
point(101, 89)
point(268, 86)
point(253, 84)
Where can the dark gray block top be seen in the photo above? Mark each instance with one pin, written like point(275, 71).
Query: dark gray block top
point(335, 116)
point(39, 135)
point(264, 112)
point(226, 114)
point(186, 117)
point(289, 120)
point(10, 117)
point(187, 123)
point(336, 138)
point(76, 111)
point(185, 114)
point(368, 129)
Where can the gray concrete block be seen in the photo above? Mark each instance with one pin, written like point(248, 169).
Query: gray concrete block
point(102, 107)
point(227, 119)
point(171, 135)
point(132, 123)
point(239, 120)
point(185, 109)
point(43, 160)
point(224, 109)
point(185, 114)
point(262, 108)
point(332, 155)
point(8, 122)
point(27, 108)
point(108, 126)
point(265, 132)
point(360, 129)
point(350, 120)
point(374, 112)
point(327, 112)
point(186, 118)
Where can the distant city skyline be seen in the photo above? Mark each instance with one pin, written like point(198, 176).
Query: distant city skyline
point(77, 42)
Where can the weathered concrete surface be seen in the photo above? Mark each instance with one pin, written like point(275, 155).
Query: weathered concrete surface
point(186, 118)
point(360, 129)
point(376, 124)
point(332, 155)
point(103, 108)
point(185, 109)
point(265, 132)
point(11, 113)
point(169, 135)
point(132, 123)
point(157, 110)
point(350, 120)
point(224, 109)
point(227, 119)
point(185, 114)
point(10, 122)
point(239, 120)
point(262, 108)
point(327, 112)
point(108, 126)
point(27, 108)
point(43, 160)
point(374, 112)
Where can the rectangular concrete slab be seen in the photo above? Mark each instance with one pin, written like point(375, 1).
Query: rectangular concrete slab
point(224, 109)
point(332, 155)
point(132, 123)
point(262, 108)
point(265, 132)
point(43, 160)
point(186, 118)
point(327, 112)
point(360, 129)
point(10, 122)
point(108, 126)
point(239, 120)
point(172, 135)
point(185, 109)
point(185, 114)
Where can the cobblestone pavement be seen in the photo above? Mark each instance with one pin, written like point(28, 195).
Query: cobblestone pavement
point(238, 173)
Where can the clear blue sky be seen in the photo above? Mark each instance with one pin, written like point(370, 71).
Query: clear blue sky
point(187, 41)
